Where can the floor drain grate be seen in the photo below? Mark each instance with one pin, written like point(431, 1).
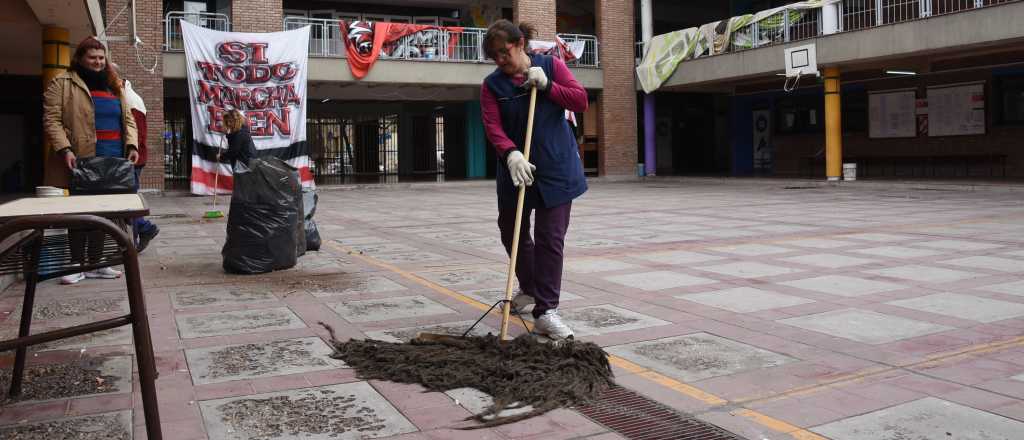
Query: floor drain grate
point(636, 417)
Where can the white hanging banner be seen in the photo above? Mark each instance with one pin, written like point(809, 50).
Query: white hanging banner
point(261, 74)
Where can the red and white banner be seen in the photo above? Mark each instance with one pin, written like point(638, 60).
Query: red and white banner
point(264, 76)
point(365, 41)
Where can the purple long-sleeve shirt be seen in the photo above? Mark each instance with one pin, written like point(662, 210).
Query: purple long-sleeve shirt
point(564, 90)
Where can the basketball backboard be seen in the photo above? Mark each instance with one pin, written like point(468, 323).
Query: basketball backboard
point(801, 60)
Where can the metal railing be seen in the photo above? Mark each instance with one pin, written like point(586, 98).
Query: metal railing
point(172, 26)
point(325, 35)
point(788, 25)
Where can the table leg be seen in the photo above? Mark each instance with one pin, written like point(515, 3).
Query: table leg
point(143, 345)
point(31, 279)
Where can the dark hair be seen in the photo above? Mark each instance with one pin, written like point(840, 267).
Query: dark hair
point(503, 31)
point(90, 43)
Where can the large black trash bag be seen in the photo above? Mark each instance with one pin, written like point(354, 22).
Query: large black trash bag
point(309, 200)
point(266, 212)
point(102, 175)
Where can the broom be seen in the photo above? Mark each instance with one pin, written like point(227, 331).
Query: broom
point(215, 213)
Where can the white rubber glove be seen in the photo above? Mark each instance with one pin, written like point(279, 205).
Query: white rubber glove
point(519, 168)
point(537, 78)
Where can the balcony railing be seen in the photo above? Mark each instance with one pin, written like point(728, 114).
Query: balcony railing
point(172, 26)
point(789, 24)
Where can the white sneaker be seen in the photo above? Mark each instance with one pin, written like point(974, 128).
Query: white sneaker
point(106, 273)
point(551, 325)
point(72, 279)
point(521, 302)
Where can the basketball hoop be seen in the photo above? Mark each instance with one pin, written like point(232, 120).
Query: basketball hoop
point(799, 61)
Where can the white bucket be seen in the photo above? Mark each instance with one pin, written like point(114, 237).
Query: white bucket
point(49, 191)
point(849, 171)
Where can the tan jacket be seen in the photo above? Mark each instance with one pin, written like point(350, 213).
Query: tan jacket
point(69, 120)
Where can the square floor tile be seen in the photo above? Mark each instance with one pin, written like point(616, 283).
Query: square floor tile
point(346, 411)
point(111, 425)
point(92, 376)
point(745, 299)
point(657, 280)
point(924, 274)
point(990, 263)
point(958, 245)
point(842, 285)
point(411, 257)
point(864, 326)
point(235, 323)
point(926, 419)
point(596, 320)
point(383, 248)
point(594, 243)
point(592, 265)
point(963, 306)
point(465, 277)
point(1011, 288)
point(749, 269)
point(262, 359)
point(493, 295)
point(389, 308)
point(752, 250)
point(820, 243)
point(354, 285)
point(831, 261)
point(726, 233)
point(448, 328)
point(785, 229)
point(698, 356)
point(677, 257)
point(897, 252)
point(222, 295)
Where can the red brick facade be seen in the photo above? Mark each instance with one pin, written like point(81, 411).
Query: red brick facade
point(617, 118)
point(149, 85)
point(257, 15)
point(540, 13)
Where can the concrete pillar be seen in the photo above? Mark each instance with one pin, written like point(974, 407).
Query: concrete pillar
point(650, 152)
point(617, 147)
point(148, 84)
point(540, 13)
point(833, 125)
point(257, 15)
point(56, 60)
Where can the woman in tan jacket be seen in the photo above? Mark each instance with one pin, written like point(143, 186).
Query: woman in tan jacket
point(85, 115)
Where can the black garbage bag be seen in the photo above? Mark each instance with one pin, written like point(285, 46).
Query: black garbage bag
point(266, 212)
point(309, 200)
point(102, 175)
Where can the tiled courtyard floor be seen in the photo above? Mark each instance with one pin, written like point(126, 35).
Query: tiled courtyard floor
point(851, 313)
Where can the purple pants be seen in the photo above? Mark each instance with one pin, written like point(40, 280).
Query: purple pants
point(539, 265)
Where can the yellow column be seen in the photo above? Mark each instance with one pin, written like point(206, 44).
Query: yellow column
point(833, 125)
point(56, 53)
point(56, 60)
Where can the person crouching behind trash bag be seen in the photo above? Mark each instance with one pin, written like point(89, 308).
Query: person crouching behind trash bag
point(265, 229)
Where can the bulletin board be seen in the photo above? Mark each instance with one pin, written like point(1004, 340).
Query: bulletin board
point(956, 110)
point(891, 114)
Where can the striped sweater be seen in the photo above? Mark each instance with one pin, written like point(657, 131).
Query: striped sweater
point(108, 123)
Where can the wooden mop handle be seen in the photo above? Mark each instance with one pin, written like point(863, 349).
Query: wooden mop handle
point(519, 222)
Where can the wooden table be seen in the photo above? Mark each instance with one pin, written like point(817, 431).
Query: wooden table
point(38, 257)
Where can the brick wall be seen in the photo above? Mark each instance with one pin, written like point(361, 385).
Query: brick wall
point(150, 86)
point(998, 138)
point(617, 117)
point(257, 15)
point(540, 13)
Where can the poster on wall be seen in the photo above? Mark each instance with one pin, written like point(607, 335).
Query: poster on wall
point(956, 110)
point(763, 151)
point(264, 76)
point(891, 114)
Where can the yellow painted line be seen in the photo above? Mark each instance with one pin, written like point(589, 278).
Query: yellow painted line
point(422, 281)
point(777, 425)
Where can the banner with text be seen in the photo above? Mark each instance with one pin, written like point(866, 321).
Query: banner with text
point(261, 74)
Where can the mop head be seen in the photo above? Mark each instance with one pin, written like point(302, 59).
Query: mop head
point(516, 373)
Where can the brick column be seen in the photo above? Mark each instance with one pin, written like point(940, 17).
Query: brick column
point(150, 86)
point(617, 137)
point(540, 13)
point(257, 15)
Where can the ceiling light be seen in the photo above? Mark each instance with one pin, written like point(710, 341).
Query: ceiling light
point(900, 72)
point(325, 100)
